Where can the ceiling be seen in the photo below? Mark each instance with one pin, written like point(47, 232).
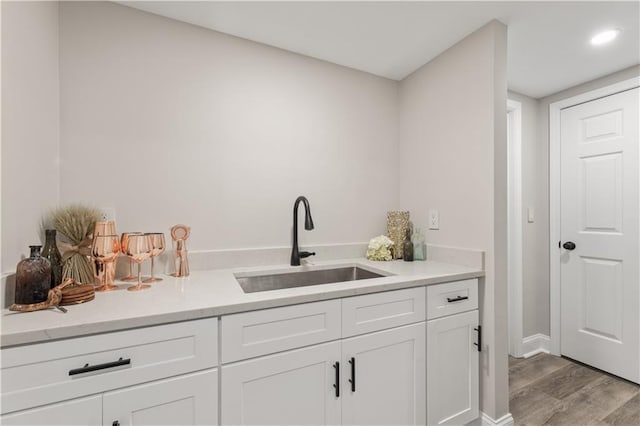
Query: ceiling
point(548, 51)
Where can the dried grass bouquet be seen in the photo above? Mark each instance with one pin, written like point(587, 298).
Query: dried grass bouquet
point(75, 223)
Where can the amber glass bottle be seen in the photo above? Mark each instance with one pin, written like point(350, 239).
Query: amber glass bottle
point(51, 252)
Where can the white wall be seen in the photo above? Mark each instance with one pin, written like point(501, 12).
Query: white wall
point(535, 236)
point(171, 123)
point(453, 159)
point(30, 123)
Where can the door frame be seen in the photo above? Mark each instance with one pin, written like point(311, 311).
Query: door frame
point(514, 228)
point(555, 110)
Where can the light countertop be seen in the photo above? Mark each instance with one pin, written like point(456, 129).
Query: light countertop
point(211, 293)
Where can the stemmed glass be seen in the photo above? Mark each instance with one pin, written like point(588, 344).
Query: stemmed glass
point(123, 243)
point(157, 248)
point(105, 250)
point(104, 228)
point(139, 250)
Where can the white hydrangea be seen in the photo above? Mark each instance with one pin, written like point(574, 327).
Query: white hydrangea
point(380, 248)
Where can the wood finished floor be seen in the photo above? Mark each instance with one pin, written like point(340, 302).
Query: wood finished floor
point(549, 390)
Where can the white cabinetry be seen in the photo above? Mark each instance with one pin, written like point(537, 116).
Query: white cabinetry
point(189, 399)
point(384, 377)
point(77, 412)
point(452, 356)
point(290, 388)
point(47, 383)
point(315, 385)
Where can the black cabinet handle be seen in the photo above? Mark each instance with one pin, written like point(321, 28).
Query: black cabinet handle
point(569, 245)
point(336, 385)
point(479, 344)
point(115, 423)
point(88, 368)
point(352, 380)
point(456, 299)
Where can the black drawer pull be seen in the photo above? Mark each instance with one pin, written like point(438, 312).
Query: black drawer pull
point(336, 385)
point(88, 368)
point(456, 299)
point(352, 380)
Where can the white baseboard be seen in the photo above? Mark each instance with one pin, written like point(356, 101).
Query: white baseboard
point(506, 420)
point(536, 344)
point(486, 420)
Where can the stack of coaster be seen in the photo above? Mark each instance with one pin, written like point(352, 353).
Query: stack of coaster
point(75, 294)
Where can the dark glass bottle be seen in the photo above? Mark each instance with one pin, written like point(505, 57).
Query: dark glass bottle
point(407, 247)
point(51, 252)
point(33, 278)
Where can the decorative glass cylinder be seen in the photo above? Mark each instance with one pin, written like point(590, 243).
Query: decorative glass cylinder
point(407, 247)
point(33, 278)
point(397, 225)
point(52, 254)
point(419, 246)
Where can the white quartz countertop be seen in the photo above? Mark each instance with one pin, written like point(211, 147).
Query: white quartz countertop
point(211, 293)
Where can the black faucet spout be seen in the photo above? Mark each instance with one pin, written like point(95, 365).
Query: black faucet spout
point(296, 255)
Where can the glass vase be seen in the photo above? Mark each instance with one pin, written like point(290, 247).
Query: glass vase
point(419, 246)
point(33, 278)
point(50, 252)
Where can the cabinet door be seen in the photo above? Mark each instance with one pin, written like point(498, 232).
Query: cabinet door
point(452, 369)
point(81, 411)
point(191, 399)
point(390, 377)
point(289, 388)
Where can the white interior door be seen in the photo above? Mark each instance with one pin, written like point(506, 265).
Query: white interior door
point(599, 215)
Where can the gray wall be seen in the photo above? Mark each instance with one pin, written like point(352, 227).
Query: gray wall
point(220, 133)
point(535, 236)
point(453, 159)
point(30, 123)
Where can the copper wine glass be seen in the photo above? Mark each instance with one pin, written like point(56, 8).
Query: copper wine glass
point(138, 249)
point(107, 227)
point(105, 250)
point(157, 248)
point(123, 244)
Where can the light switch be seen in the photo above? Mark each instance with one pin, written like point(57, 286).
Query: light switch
point(530, 215)
point(434, 219)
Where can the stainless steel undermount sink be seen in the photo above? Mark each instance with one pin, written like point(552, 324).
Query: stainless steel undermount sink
point(277, 281)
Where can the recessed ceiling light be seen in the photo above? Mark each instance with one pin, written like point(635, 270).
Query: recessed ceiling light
point(604, 37)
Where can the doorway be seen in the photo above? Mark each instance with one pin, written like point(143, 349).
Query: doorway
point(595, 295)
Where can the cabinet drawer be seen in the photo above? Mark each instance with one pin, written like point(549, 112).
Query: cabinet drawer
point(251, 334)
point(43, 373)
point(378, 311)
point(451, 298)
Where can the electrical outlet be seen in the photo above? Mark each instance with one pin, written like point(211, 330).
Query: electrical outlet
point(107, 213)
point(434, 219)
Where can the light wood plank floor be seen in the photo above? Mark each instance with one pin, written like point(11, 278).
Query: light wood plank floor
point(549, 390)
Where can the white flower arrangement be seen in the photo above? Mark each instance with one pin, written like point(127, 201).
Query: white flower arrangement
point(380, 248)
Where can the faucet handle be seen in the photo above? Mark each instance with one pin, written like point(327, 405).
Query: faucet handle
point(304, 254)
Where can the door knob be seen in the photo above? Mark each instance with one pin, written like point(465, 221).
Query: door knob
point(569, 245)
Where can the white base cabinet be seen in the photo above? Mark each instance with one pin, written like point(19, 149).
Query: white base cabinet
point(77, 412)
point(388, 368)
point(290, 388)
point(404, 357)
point(452, 369)
point(315, 385)
point(190, 399)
